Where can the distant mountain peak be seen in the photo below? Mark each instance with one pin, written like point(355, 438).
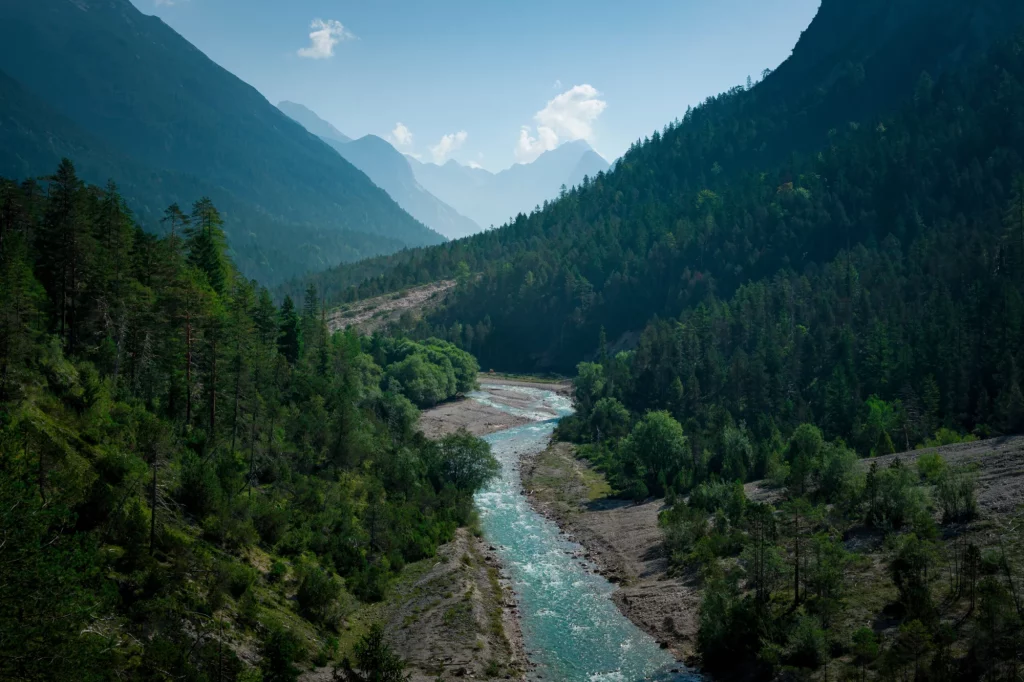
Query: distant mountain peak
point(309, 120)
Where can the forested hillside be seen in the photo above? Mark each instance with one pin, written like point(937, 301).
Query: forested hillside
point(741, 188)
point(198, 485)
point(135, 101)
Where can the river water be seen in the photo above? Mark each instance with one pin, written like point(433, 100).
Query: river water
point(572, 630)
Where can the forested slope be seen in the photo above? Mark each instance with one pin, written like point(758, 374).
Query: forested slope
point(196, 484)
point(742, 187)
point(152, 111)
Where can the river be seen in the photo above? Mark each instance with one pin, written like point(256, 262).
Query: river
point(572, 630)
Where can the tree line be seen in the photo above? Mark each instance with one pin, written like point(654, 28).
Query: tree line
point(189, 471)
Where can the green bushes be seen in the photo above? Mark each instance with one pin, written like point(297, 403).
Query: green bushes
point(956, 490)
point(945, 436)
point(462, 461)
point(317, 594)
point(727, 633)
point(893, 497)
point(281, 650)
point(931, 466)
point(655, 453)
point(807, 646)
point(375, 660)
point(911, 571)
point(426, 373)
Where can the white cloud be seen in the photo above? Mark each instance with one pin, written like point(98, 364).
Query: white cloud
point(572, 114)
point(473, 164)
point(322, 39)
point(569, 116)
point(448, 144)
point(401, 135)
point(557, 85)
point(529, 147)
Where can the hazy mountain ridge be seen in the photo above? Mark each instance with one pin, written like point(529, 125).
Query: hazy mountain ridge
point(311, 122)
point(135, 89)
point(389, 170)
point(493, 199)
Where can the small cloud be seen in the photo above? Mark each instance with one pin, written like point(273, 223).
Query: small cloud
point(557, 85)
point(323, 37)
point(529, 147)
point(573, 113)
point(448, 144)
point(569, 116)
point(401, 136)
point(473, 164)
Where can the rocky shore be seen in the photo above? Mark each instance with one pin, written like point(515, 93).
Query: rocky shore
point(622, 540)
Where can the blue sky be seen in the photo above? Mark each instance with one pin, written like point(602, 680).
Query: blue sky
point(492, 82)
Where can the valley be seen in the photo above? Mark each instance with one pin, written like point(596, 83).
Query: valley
point(419, 386)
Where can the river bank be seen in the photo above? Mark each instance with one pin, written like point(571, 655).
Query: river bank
point(571, 628)
point(622, 539)
point(502, 409)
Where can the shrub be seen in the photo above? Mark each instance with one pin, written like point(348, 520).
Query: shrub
point(375, 659)
point(281, 649)
point(200, 490)
point(946, 436)
point(656, 450)
point(893, 497)
point(727, 634)
point(684, 527)
point(808, 645)
point(911, 571)
point(240, 578)
point(836, 479)
point(931, 466)
point(277, 572)
point(957, 495)
point(317, 594)
point(270, 521)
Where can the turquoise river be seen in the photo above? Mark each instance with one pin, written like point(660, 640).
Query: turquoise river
point(572, 630)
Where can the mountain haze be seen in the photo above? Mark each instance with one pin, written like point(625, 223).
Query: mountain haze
point(389, 170)
point(311, 122)
point(146, 108)
point(492, 199)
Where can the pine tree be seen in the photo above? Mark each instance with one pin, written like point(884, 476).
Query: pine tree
point(207, 244)
point(288, 339)
point(64, 244)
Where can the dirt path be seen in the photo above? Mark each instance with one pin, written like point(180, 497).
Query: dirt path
point(624, 541)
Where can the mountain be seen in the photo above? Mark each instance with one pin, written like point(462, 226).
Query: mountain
point(752, 183)
point(389, 170)
point(494, 199)
point(137, 103)
point(392, 172)
point(313, 123)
